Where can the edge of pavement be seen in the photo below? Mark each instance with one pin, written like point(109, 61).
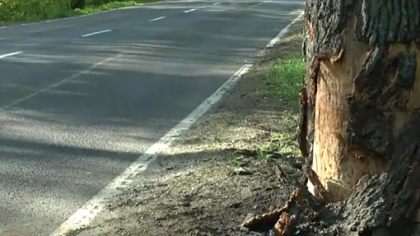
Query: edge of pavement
point(85, 215)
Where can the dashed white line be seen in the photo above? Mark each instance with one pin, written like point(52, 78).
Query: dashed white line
point(159, 18)
point(97, 32)
point(216, 3)
point(9, 54)
point(191, 10)
point(2, 27)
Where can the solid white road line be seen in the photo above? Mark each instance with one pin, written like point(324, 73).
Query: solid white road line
point(191, 10)
point(97, 32)
point(10, 54)
point(283, 32)
point(85, 215)
point(88, 212)
point(159, 18)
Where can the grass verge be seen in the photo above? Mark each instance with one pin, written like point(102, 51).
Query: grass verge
point(286, 77)
point(109, 6)
point(286, 73)
point(36, 10)
point(283, 75)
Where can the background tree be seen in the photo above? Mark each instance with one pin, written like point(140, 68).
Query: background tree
point(360, 123)
point(78, 4)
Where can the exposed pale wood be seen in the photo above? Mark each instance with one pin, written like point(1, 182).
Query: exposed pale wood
point(350, 49)
point(360, 129)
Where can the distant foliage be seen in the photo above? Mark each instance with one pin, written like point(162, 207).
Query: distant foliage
point(30, 10)
point(17, 10)
point(99, 2)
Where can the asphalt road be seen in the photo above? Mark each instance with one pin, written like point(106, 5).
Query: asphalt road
point(82, 98)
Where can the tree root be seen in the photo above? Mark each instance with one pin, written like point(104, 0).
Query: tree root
point(284, 219)
point(365, 213)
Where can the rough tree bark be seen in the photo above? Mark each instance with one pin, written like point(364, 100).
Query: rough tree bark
point(360, 123)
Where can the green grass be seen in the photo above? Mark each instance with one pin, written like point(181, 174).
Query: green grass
point(286, 74)
point(286, 78)
point(110, 6)
point(35, 10)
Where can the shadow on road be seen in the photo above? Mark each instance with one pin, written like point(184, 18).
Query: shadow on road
point(73, 127)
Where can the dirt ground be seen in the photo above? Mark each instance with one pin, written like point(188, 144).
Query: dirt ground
point(221, 172)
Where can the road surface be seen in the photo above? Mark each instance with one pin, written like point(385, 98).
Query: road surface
point(82, 98)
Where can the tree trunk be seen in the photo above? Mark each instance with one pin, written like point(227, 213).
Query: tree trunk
point(360, 121)
point(362, 86)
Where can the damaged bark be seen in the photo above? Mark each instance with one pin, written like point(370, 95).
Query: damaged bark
point(360, 119)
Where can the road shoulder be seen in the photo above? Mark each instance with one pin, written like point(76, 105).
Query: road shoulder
point(222, 170)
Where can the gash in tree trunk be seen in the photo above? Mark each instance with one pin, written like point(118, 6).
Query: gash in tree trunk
point(360, 105)
point(362, 87)
point(360, 124)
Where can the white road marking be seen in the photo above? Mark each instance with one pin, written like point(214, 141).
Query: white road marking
point(30, 23)
point(46, 89)
point(283, 32)
point(191, 10)
point(255, 5)
point(159, 18)
point(107, 11)
point(216, 3)
point(85, 215)
point(101, 12)
point(97, 32)
point(10, 54)
point(2, 27)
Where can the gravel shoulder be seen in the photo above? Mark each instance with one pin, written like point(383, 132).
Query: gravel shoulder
point(222, 170)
